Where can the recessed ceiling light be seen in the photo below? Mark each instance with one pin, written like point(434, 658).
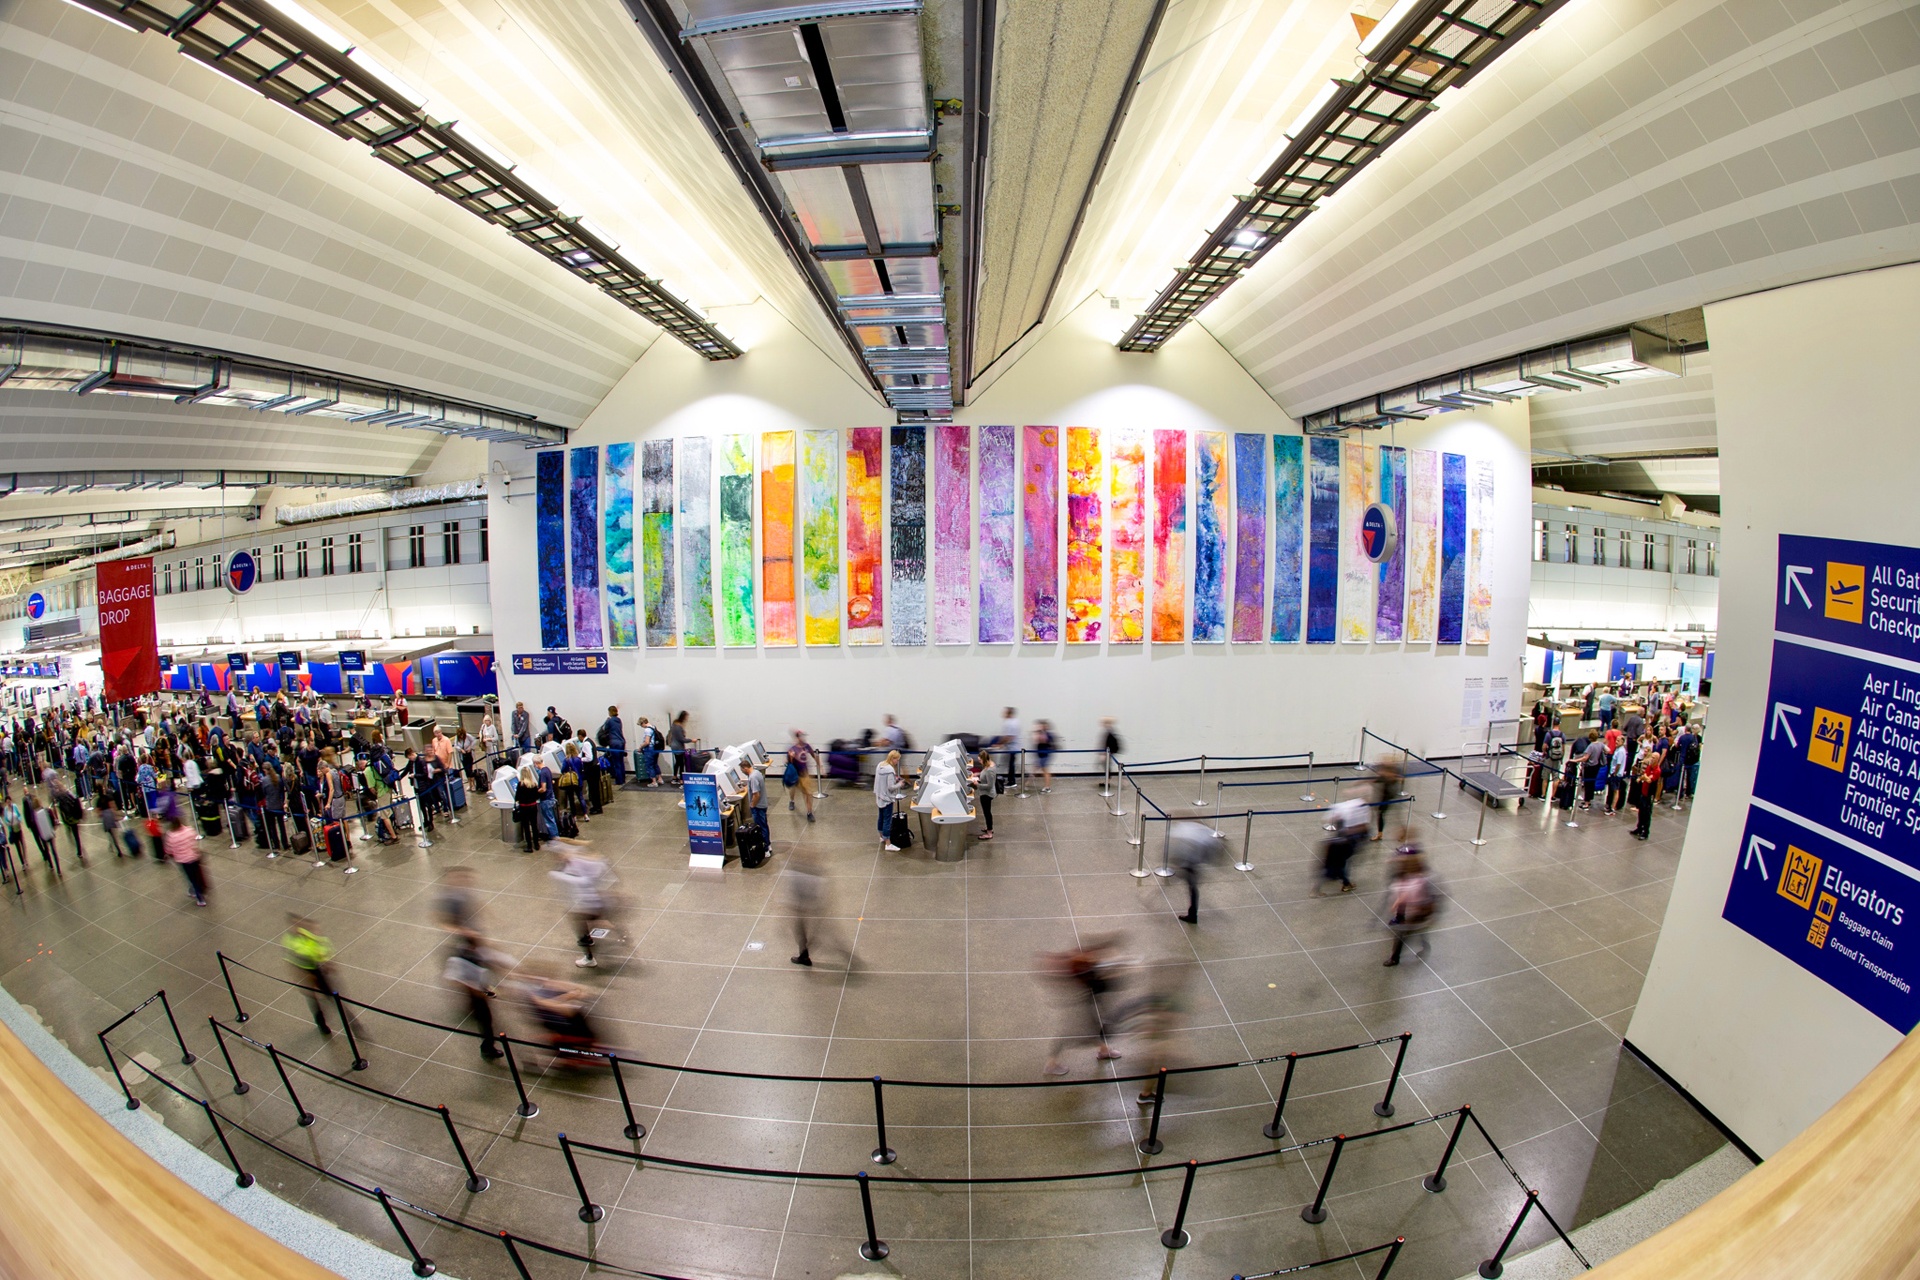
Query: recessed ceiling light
point(793, 82)
point(1248, 238)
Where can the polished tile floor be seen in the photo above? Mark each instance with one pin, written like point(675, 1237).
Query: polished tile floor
point(1536, 962)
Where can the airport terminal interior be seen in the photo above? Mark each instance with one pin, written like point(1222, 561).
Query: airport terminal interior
point(716, 640)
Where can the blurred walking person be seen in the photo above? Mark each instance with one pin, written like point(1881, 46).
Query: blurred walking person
point(586, 879)
point(1388, 782)
point(807, 899)
point(801, 759)
point(1191, 848)
point(310, 954)
point(1410, 905)
point(1086, 972)
point(473, 971)
point(1348, 818)
point(182, 844)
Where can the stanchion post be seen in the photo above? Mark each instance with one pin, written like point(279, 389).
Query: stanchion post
point(1439, 797)
point(422, 1265)
point(1165, 869)
point(1277, 1127)
point(1491, 1268)
point(133, 1103)
point(241, 1178)
point(1151, 1144)
point(1384, 1107)
point(1316, 1212)
point(239, 1085)
point(1139, 835)
point(1393, 1256)
point(1219, 790)
point(1200, 787)
point(1175, 1236)
point(305, 1116)
point(526, 1110)
point(1479, 830)
point(1436, 1181)
point(475, 1182)
point(873, 1248)
point(1246, 846)
point(513, 1256)
point(186, 1054)
point(1106, 775)
point(239, 1014)
point(589, 1211)
point(634, 1130)
point(882, 1154)
point(353, 1041)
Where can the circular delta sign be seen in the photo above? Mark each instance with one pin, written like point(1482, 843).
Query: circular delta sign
point(1378, 531)
point(36, 606)
point(242, 572)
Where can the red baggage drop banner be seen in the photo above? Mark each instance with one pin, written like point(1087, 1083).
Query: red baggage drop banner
point(129, 644)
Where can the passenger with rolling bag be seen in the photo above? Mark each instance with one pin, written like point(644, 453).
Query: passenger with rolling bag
point(894, 833)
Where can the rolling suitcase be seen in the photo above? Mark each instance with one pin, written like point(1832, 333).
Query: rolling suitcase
point(899, 834)
point(457, 790)
point(606, 788)
point(751, 844)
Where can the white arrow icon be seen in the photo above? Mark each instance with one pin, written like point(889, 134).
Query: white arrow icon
point(1783, 725)
point(1793, 584)
point(1754, 845)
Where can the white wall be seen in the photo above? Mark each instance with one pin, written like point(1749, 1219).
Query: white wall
point(1815, 401)
point(1169, 699)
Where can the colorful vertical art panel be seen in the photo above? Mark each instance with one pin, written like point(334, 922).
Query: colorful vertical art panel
point(907, 529)
point(1389, 607)
point(1358, 483)
point(820, 535)
point(953, 534)
point(696, 542)
point(656, 542)
point(866, 594)
point(1169, 536)
point(550, 545)
point(737, 619)
point(1289, 536)
point(1323, 564)
point(1086, 567)
point(623, 618)
point(1479, 552)
point(780, 617)
point(1421, 533)
point(1040, 546)
point(1129, 493)
point(1249, 538)
point(1210, 537)
point(1453, 547)
point(584, 547)
point(996, 535)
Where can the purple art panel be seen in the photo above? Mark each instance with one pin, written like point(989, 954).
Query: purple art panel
point(952, 534)
point(1249, 537)
point(996, 535)
point(1390, 602)
point(585, 547)
point(1040, 559)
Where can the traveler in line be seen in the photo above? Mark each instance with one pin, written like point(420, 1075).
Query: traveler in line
point(678, 743)
point(613, 740)
point(983, 781)
point(646, 756)
point(886, 790)
point(15, 822)
point(522, 727)
point(757, 800)
point(489, 737)
point(1618, 771)
point(1687, 747)
point(526, 808)
point(1646, 793)
point(1191, 848)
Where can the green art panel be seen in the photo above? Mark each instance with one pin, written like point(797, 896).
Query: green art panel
point(820, 535)
point(737, 623)
point(656, 541)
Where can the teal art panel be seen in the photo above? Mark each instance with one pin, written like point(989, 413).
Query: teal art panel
point(623, 617)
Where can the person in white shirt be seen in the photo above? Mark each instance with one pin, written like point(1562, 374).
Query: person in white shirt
point(886, 789)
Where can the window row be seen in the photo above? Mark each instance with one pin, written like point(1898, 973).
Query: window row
point(408, 547)
point(1624, 548)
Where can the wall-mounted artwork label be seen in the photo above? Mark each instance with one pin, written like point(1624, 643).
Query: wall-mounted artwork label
point(242, 572)
point(36, 606)
point(556, 664)
point(353, 661)
point(1865, 595)
point(1379, 531)
point(1842, 916)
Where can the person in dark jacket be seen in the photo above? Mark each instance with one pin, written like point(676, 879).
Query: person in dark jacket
point(613, 741)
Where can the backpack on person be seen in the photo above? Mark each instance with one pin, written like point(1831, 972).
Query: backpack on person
point(604, 737)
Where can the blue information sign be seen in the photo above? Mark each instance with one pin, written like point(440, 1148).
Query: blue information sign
point(36, 606)
point(289, 657)
point(702, 794)
point(353, 660)
point(1378, 531)
point(1586, 650)
point(1864, 595)
point(560, 664)
point(242, 572)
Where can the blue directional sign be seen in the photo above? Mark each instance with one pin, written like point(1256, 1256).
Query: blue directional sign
point(560, 664)
point(1865, 595)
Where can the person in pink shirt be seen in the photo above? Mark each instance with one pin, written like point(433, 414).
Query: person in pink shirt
point(182, 846)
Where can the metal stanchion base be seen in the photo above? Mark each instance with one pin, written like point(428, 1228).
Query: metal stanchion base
point(477, 1183)
point(1139, 873)
point(1476, 841)
point(1152, 1147)
point(1434, 1184)
point(425, 1267)
point(884, 1155)
point(1491, 1270)
point(1313, 1215)
point(874, 1250)
point(1171, 1239)
point(1572, 823)
point(1274, 1131)
point(1163, 871)
point(634, 1132)
point(1383, 1109)
point(527, 1110)
point(1135, 843)
point(1199, 804)
point(1243, 866)
point(592, 1213)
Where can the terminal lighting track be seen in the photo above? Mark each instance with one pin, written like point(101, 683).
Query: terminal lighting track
point(1420, 49)
point(256, 44)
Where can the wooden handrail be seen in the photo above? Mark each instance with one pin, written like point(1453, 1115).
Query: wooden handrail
point(1842, 1200)
point(78, 1199)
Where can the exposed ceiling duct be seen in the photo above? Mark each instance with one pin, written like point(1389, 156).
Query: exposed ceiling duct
point(44, 358)
point(45, 482)
point(392, 500)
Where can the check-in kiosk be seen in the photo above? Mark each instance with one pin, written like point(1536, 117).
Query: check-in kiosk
point(945, 796)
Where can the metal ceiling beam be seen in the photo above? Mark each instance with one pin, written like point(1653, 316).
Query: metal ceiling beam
point(979, 19)
point(104, 522)
point(44, 482)
point(829, 159)
point(795, 15)
point(1435, 47)
point(853, 252)
point(260, 46)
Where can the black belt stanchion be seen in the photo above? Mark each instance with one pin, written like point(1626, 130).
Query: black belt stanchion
point(1437, 1180)
point(589, 1211)
point(186, 1054)
point(239, 1085)
point(1277, 1127)
point(526, 1110)
point(1492, 1267)
point(873, 1248)
point(475, 1182)
point(353, 1041)
point(239, 1014)
point(1316, 1213)
point(422, 1265)
point(1384, 1107)
point(133, 1103)
point(634, 1130)
point(1175, 1236)
point(306, 1116)
point(1151, 1144)
point(882, 1154)
point(513, 1255)
point(241, 1178)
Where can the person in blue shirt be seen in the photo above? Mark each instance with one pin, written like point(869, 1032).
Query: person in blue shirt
point(613, 740)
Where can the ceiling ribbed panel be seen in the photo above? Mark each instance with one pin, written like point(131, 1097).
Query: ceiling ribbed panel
point(1655, 416)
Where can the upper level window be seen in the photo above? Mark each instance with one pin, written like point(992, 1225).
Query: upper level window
point(483, 539)
point(326, 557)
point(279, 562)
point(450, 542)
point(354, 554)
point(199, 573)
point(300, 558)
point(416, 546)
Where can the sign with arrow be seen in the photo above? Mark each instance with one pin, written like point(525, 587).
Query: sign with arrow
point(1865, 595)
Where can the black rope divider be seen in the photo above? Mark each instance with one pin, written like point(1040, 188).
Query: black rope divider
point(1392, 1248)
point(186, 1054)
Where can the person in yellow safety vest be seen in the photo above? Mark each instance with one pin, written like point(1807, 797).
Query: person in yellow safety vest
point(310, 954)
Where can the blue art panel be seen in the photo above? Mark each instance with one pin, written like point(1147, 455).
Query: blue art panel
point(1210, 538)
point(1453, 548)
point(585, 547)
point(550, 546)
point(623, 616)
point(907, 532)
point(1323, 561)
point(696, 542)
point(1289, 536)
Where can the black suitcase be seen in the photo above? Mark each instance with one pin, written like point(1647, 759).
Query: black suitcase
point(751, 844)
point(898, 833)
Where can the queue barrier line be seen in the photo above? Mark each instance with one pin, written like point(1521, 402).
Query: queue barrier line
point(1392, 1248)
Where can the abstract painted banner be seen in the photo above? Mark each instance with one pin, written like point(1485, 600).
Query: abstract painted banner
point(996, 535)
point(550, 545)
point(1210, 538)
point(1086, 576)
point(1169, 536)
point(781, 616)
point(1359, 481)
point(1323, 566)
point(820, 534)
point(1479, 549)
point(1453, 547)
point(1289, 536)
point(866, 595)
point(696, 542)
point(656, 541)
point(623, 619)
point(1129, 536)
point(1249, 537)
point(1388, 608)
point(952, 534)
point(1421, 533)
point(1040, 550)
point(584, 547)
point(736, 542)
point(907, 526)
